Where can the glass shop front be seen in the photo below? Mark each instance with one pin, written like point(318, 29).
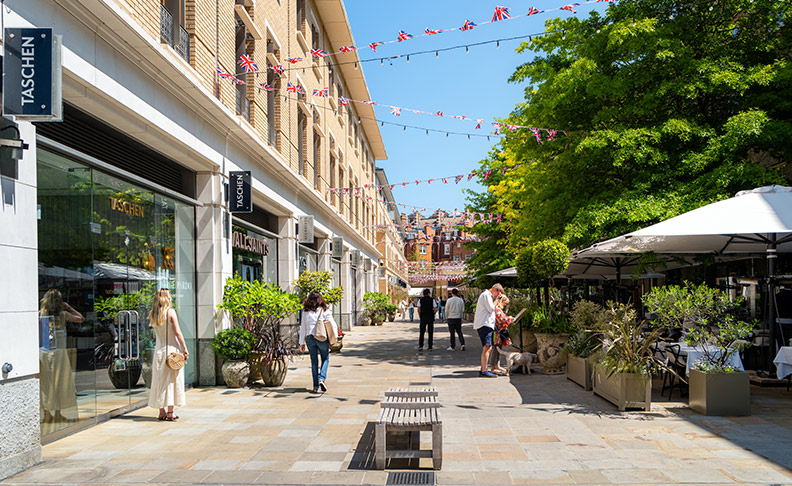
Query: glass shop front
point(106, 244)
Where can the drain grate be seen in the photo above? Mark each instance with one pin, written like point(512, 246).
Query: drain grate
point(410, 478)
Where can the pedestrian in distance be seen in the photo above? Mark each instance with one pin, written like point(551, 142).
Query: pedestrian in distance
point(315, 311)
point(454, 309)
point(167, 384)
point(484, 324)
point(426, 312)
point(441, 308)
point(412, 309)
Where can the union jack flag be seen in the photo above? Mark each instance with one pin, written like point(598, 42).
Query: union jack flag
point(343, 101)
point(238, 81)
point(438, 113)
point(501, 13)
point(445, 181)
point(396, 111)
point(551, 134)
point(294, 88)
point(293, 60)
point(267, 87)
point(430, 31)
point(247, 63)
point(503, 170)
point(512, 127)
point(278, 69)
point(471, 175)
point(565, 132)
point(392, 186)
point(322, 93)
point(487, 174)
point(468, 25)
point(347, 48)
point(533, 11)
point(404, 36)
point(478, 124)
point(459, 117)
point(224, 74)
point(370, 102)
point(318, 53)
point(569, 7)
point(538, 134)
point(374, 45)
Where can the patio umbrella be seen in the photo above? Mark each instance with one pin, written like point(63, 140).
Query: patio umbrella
point(755, 221)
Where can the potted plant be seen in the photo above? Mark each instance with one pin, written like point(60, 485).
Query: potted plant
point(375, 305)
point(716, 386)
point(586, 318)
point(336, 348)
point(623, 372)
point(552, 330)
point(259, 308)
point(233, 347)
point(320, 282)
point(391, 309)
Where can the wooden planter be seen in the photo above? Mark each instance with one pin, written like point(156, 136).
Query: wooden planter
point(625, 390)
point(580, 370)
point(726, 394)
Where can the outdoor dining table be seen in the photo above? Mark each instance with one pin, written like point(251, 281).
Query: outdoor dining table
point(783, 362)
point(696, 353)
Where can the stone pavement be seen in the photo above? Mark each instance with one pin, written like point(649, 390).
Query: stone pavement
point(524, 429)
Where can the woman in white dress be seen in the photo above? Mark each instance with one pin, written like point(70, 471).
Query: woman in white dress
point(167, 385)
point(314, 310)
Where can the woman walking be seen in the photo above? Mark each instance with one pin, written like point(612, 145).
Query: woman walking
point(315, 310)
point(167, 384)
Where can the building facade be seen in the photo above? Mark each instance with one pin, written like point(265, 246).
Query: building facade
point(129, 193)
point(390, 244)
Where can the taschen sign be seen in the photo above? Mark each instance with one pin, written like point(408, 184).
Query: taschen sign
point(32, 89)
point(241, 197)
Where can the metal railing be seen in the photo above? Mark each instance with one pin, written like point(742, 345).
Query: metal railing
point(166, 26)
point(242, 105)
point(174, 35)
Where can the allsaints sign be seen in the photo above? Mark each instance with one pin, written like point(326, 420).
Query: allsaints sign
point(249, 243)
point(32, 74)
point(241, 200)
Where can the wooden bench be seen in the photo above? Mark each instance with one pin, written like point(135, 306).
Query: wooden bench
point(409, 410)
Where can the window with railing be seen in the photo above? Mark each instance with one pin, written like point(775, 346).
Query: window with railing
point(301, 136)
point(242, 104)
point(242, 101)
point(317, 158)
point(172, 31)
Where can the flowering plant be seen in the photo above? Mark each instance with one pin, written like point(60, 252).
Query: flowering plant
point(340, 334)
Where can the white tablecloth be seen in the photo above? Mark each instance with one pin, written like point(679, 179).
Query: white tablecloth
point(695, 354)
point(783, 362)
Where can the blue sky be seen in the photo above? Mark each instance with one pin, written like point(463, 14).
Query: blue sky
point(473, 84)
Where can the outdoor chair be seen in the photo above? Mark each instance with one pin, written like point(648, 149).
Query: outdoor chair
point(678, 364)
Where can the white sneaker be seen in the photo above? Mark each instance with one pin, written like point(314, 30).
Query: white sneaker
point(449, 348)
point(463, 347)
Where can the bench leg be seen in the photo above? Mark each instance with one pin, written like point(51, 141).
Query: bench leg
point(379, 446)
point(415, 440)
point(437, 446)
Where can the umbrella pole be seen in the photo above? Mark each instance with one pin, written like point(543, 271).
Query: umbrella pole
point(771, 309)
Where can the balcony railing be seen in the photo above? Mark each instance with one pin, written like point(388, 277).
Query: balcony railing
point(174, 35)
point(242, 105)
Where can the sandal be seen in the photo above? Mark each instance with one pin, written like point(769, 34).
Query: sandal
point(161, 417)
point(171, 418)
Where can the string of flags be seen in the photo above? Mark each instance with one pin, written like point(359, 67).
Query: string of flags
point(500, 14)
point(549, 133)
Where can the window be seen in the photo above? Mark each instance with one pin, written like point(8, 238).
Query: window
point(301, 15)
point(422, 250)
point(459, 245)
point(273, 106)
point(340, 185)
point(314, 37)
point(242, 101)
point(172, 27)
point(317, 158)
point(456, 258)
point(467, 257)
point(301, 139)
point(446, 249)
point(332, 179)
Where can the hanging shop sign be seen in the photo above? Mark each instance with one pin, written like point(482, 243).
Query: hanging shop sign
point(32, 88)
point(305, 229)
point(249, 243)
point(355, 258)
point(241, 200)
point(338, 248)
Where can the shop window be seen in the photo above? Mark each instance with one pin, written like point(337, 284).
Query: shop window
point(422, 250)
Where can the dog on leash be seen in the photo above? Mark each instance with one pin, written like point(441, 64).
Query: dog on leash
point(517, 359)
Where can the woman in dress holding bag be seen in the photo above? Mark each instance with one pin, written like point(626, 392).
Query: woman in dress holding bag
point(167, 384)
point(314, 338)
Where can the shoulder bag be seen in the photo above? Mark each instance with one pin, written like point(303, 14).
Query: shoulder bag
point(175, 361)
point(323, 331)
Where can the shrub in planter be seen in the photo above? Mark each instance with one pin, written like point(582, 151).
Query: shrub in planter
point(321, 282)
point(233, 346)
point(587, 319)
point(552, 330)
point(375, 305)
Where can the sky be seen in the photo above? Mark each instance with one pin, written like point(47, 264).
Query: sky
point(474, 84)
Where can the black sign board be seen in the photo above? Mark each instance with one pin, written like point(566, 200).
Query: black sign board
point(241, 200)
point(31, 74)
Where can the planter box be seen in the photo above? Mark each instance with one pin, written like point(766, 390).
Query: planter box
point(580, 370)
point(720, 393)
point(625, 390)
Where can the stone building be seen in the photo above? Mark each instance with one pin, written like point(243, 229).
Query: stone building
point(129, 192)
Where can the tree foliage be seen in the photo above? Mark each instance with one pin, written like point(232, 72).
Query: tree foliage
point(670, 104)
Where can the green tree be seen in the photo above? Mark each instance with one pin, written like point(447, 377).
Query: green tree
point(670, 105)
